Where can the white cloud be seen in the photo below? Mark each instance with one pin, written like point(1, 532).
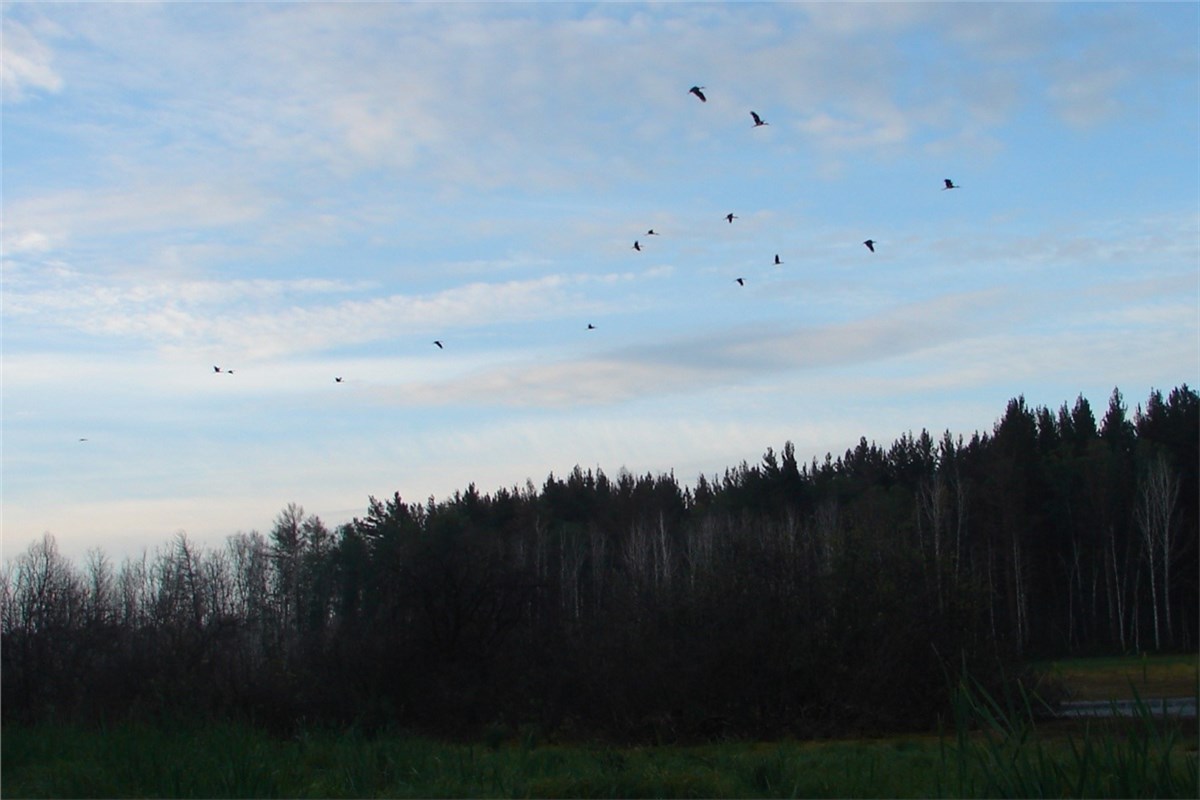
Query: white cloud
point(696, 362)
point(27, 241)
point(261, 319)
point(1002, 33)
point(27, 63)
point(865, 19)
point(1086, 92)
point(58, 220)
point(881, 128)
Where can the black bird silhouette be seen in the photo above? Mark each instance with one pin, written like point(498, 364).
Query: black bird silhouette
point(730, 217)
point(439, 344)
point(740, 281)
point(758, 121)
point(83, 439)
point(591, 327)
point(637, 246)
point(652, 232)
point(696, 91)
point(870, 243)
point(777, 261)
point(216, 368)
point(949, 185)
point(338, 379)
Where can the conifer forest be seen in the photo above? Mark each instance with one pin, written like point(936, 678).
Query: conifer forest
point(780, 598)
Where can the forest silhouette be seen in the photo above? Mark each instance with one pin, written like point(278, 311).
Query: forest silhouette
point(780, 598)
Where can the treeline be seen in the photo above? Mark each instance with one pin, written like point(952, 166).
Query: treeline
point(779, 598)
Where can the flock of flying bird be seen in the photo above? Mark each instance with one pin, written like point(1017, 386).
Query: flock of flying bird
point(698, 91)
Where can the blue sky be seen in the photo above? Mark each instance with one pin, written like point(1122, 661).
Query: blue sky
point(303, 191)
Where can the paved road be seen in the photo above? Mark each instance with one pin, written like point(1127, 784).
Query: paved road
point(1182, 707)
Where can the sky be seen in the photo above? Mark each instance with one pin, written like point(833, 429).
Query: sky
point(295, 192)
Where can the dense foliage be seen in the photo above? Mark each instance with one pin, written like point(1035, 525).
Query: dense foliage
point(778, 598)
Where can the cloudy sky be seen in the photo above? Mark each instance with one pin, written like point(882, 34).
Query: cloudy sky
point(298, 192)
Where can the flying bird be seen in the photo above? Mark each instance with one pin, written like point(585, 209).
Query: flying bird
point(439, 344)
point(652, 232)
point(83, 439)
point(637, 246)
point(870, 243)
point(696, 91)
point(949, 185)
point(730, 217)
point(740, 281)
point(337, 379)
point(777, 261)
point(758, 121)
point(216, 368)
point(591, 327)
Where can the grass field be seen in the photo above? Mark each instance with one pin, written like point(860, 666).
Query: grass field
point(1119, 677)
point(232, 761)
point(989, 750)
point(237, 761)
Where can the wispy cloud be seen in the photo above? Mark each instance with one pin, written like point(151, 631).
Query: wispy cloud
point(264, 319)
point(501, 79)
point(78, 218)
point(28, 63)
point(692, 363)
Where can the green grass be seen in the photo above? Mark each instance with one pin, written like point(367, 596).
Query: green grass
point(994, 747)
point(1120, 677)
point(1009, 757)
point(237, 761)
point(993, 752)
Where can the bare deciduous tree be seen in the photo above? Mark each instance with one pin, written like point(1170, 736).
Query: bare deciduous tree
point(1157, 493)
